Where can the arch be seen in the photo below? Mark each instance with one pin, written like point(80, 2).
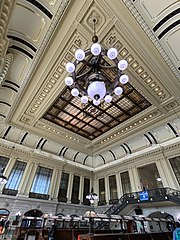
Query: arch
point(168, 225)
point(60, 215)
point(4, 212)
point(33, 213)
point(161, 214)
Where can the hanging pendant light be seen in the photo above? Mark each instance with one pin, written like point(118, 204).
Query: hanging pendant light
point(97, 88)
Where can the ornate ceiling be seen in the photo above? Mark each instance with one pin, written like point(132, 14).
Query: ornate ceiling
point(39, 37)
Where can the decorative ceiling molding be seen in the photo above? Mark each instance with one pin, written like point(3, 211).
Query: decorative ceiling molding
point(151, 36)
point(6, 9)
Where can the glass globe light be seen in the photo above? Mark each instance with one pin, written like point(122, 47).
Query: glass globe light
point(3, 179)
point(69, 81)
point(84, 99)
point(112, 53)
point(122, 65)
point(80, 54)
point(108, 98)
point(96, 102)
point(96, 49)
point(75, 92)
point(70, 67)
point(118, 91)
point(124, 79)
point(96, 90)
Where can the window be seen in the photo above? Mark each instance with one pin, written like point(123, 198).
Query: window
point(16, 175)
point(75, 190)
point(63, 187)
point(125, 181)
point(175, 164)
point(86, 191)
point(102, 199)
point(42, 180)
point(149, 177)
point(3, 162)
point(113, 187)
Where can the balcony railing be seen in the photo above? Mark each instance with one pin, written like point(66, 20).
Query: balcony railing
point(155, 195)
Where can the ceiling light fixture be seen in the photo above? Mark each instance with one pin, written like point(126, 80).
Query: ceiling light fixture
point(92, 82)
point(3, 179)
point(92, 196)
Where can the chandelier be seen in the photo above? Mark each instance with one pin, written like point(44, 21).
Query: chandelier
point(93, 84)
point(92, 196)
point(3, 179)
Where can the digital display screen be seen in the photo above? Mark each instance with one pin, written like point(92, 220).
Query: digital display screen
point(144, 196)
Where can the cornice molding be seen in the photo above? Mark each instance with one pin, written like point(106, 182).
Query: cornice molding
point(151, 36)
point(7, 7)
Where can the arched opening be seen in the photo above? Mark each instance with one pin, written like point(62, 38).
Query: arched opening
point(33, 213)
point(161, 225)
point(60, 215)
point(4, 212)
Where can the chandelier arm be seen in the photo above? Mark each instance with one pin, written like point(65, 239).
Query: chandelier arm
point(111, 66)
point(82, 90)
point(115, 83)
point(82, 75)
point(87, 63)
point(108, 67)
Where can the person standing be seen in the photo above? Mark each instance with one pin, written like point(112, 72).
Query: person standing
point(52, 232)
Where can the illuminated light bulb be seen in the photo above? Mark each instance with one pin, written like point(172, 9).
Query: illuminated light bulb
point(124, 79)
point(96, 49)
point(96, 102)
point(112, 53)
point(108, 98)
point(84, 99)
point(69, 81)
point(122, 65)
point(75, 92)
point(80, 54)
point(70, 67)
point(96, 90)
point(118, 91)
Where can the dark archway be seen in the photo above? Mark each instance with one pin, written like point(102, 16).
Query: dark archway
point(60, 215)
point(161, 214)
point(162, 226)
point(33, 213)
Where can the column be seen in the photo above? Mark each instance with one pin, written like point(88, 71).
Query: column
point(69, 190)
point(52, 184)
point(107, 190)
point(119, 185)
point(30, 179)
point(95, 185)
point(9, 167)
point(162, 174)
point(96, 189)
point(25, 178)
point(132, 180)
point(57, 184)
point(81, 187)
point(137, 183)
